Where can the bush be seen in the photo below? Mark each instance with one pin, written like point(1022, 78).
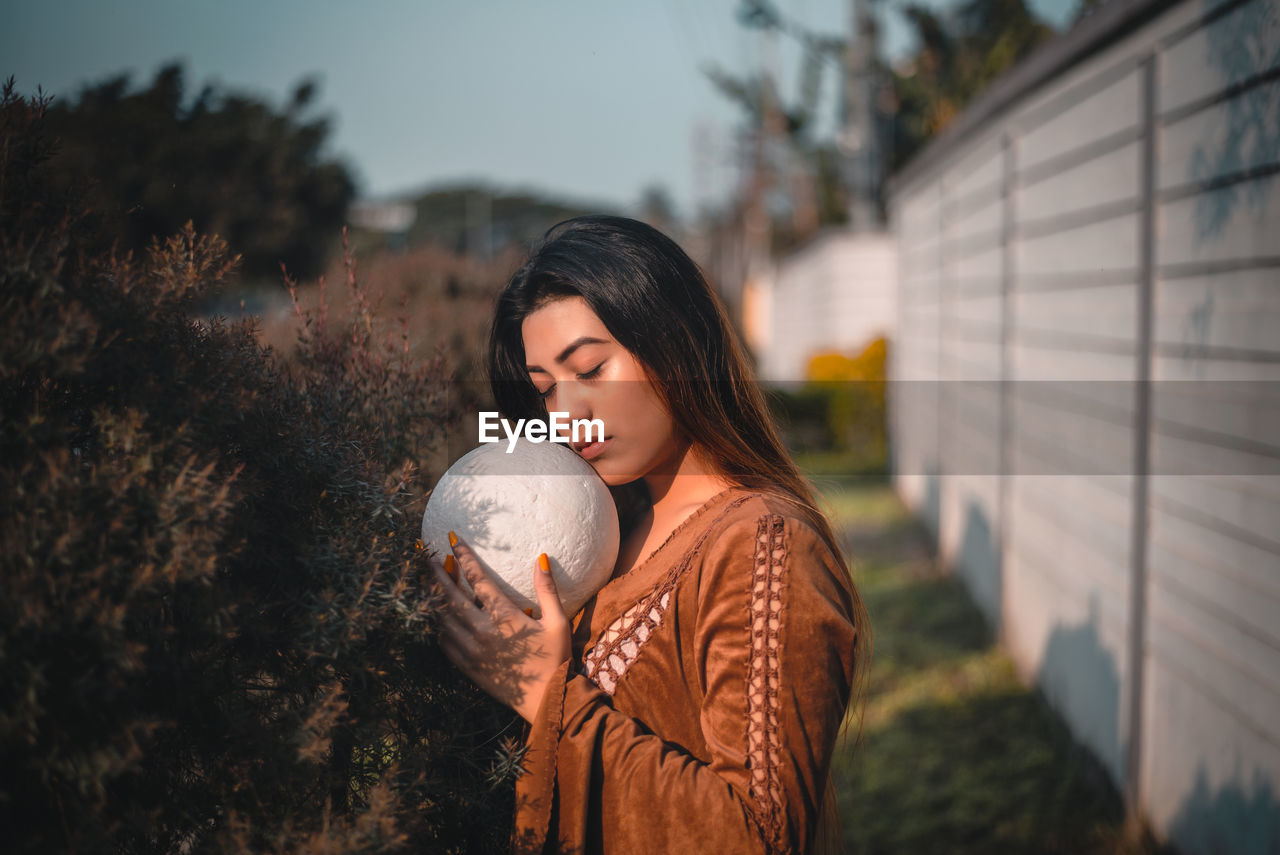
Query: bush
point(838, 414)
point(215, 632)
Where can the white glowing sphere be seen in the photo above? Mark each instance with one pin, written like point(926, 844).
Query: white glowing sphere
point(509, 507)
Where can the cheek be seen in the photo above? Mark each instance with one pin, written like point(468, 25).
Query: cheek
point(642, 415)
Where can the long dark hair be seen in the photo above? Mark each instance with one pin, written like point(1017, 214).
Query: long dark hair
point(657, 304)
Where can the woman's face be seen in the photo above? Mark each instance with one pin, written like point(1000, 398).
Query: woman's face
point(580, 369)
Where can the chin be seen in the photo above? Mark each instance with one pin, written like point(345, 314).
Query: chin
point(614, 479)
point(611, 476)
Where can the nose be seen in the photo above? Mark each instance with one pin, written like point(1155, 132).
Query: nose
point(572, 397)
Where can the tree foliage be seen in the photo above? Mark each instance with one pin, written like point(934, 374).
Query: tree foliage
point(957, 56)
point(229, 162)
point(216, 632)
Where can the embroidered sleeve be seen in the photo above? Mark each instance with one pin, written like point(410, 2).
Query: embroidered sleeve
point(772, 648)
point(764, 678)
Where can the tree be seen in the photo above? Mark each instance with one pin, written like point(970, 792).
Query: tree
point(957, 56)
point(230, 163)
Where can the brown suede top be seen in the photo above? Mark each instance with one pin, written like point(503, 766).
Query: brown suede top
point(700, 708)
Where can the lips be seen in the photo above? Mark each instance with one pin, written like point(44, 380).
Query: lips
point(589, 450)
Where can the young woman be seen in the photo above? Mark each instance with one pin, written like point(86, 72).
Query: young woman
point(694, 703)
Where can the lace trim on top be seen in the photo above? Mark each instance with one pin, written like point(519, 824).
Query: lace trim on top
point(620, 644)
point(764, 624)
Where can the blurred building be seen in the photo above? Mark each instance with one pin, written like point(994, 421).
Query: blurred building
point(392, 219)
point(836, 294)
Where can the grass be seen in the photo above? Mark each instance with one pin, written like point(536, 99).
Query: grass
point(956, 755)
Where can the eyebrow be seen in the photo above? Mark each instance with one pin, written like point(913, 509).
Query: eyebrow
point(568, 351)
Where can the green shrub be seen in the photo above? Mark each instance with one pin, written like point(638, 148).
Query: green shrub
point(836, 419)
point(215, 632)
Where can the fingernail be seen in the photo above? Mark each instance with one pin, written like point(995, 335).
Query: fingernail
point(449, 567)
point(453, 539)
point(529, 611)
point(544, 563)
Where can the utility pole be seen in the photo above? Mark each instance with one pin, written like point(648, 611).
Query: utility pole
point(859, 141)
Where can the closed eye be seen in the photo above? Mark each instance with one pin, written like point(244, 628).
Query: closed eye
point(587, 375)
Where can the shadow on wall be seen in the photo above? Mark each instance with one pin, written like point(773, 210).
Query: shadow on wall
point(1080, 678)
point(930, 510)
point(1229, 820)
point(980, 564)
point(1237, 46)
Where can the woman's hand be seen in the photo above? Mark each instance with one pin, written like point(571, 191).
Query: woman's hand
point(501, 649)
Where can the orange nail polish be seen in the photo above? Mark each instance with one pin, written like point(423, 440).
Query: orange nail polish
point(449, 567)
point(544, 563)
point(453, 539)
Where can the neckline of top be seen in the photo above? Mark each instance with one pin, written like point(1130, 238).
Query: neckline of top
point(681, 526)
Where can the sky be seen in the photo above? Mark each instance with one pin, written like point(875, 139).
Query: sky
point(587, 100)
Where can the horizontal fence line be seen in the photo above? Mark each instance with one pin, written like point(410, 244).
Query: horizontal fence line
point(1036, 118)
point(1211, 694)
point(1213, 439)
point(1029, 456)
point(1195, 188)
point(1200, 22)
point(1217, 352)
point(1193, 598)
point(1231, 531)
point(1048, 226)
point(1045, 339)
point(967, 246)
point(967, 287)
point(972, 330)
point(1047, 282)
point(1033, 559)
point(1188, 269)
point(975, 200)
point(1092, 563)
point(1213, 565)
point(1177, 114)
point(1211, 649)
point(1119, 414)
point(1058, 164)
point(1117, 487)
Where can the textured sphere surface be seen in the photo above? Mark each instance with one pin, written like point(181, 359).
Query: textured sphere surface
point(542, 497)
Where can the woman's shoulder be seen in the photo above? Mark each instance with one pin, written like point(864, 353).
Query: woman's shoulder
point(761, 507)
point(767, 538)
point(763, 520)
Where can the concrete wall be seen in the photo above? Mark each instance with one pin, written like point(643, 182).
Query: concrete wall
point(1085, 401)
point(838, 293)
